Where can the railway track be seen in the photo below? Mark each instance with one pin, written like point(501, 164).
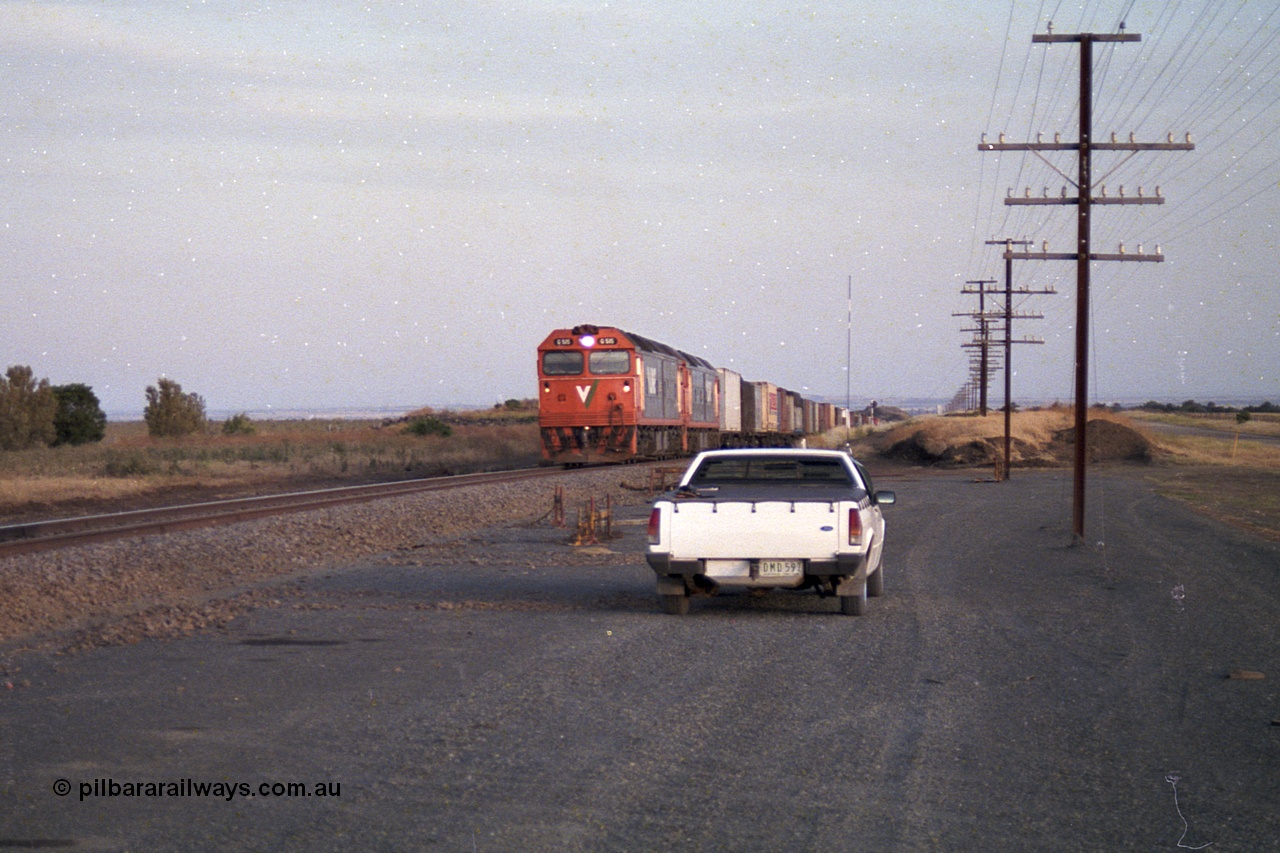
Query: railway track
point(61, 533)
point(30, 537)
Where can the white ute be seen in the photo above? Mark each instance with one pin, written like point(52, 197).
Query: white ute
point(770, 519)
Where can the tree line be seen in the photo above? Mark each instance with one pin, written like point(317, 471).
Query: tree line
point(1194, 408)
point(34, 413)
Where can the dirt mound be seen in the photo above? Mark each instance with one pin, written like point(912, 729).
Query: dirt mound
point(1109, 441)
point(892, 414)
point(1038, 440)
point(922, 448)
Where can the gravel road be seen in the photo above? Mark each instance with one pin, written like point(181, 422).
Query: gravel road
point(492, 688)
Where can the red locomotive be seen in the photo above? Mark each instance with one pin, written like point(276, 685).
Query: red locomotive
point(605, 395)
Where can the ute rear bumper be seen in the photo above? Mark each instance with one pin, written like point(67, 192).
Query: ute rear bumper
point(842, 570)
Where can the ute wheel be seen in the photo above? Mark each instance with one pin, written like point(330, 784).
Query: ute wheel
point(676, 605)
point(875, 583)
point(854, 605)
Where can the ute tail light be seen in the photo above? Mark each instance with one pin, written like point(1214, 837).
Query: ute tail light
point(654, 518)
point(855, 527)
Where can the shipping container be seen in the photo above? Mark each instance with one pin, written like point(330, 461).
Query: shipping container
point(759, 408)
point(826, 417)
point(810, 417)
point(769, 408)
point(790, 412)
point(730, 400)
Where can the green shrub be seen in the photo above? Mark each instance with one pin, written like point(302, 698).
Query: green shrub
point(238, 425)
point(429, 426)
point(80, 419)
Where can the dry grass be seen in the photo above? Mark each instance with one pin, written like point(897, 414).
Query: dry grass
point(1262, 423)
point(1243, 497)
point(1229, 478)
point(129, 464)
point(1231, 448)
point(1226, 451)
point(49, 489)
point(1032, 428)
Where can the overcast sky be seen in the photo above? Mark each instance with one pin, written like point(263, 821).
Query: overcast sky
point(313, 205)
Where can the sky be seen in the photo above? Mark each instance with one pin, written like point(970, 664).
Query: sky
point(342, 205)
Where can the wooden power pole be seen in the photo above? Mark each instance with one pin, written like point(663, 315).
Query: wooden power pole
point(1084, 255)
point(1009, 317)
point(982, 339)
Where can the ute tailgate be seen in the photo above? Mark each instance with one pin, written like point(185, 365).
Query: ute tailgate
point(765, 529)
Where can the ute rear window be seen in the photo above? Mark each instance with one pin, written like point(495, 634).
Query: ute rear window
point(609, 362)
point(759, 469)
point(562, 363)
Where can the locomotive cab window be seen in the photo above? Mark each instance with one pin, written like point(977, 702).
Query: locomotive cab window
point(562, 363)
point(610, 362)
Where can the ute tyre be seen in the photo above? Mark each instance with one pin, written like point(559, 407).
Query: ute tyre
point(676, 605)
point(854, 605)
point(875, 583)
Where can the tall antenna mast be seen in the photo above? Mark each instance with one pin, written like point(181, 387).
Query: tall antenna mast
point(848, 357)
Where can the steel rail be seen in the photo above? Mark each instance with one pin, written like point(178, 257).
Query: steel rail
point(35, 536)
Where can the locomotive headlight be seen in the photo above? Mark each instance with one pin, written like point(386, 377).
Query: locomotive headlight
point(546, 387)
point(626, 387)
point(587, 341)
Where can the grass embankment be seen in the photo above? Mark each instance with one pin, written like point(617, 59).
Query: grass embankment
point(1226, 476)
point(129, 466)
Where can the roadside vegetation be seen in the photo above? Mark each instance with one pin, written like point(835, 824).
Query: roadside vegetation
point(242, 455)
point(1232, 476)
point(59, 453)
point(1243, 421)
point(83, 462)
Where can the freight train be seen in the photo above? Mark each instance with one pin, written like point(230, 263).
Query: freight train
point(606, 395)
